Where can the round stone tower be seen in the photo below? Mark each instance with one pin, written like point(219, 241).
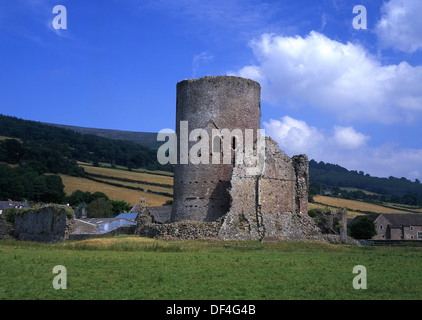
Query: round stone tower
point(213, 104)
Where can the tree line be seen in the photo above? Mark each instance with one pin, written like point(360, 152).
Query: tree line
point(25, 183)
point(396, 190)
point(97, 204)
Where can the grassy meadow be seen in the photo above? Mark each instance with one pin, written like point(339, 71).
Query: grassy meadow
point(129, 267)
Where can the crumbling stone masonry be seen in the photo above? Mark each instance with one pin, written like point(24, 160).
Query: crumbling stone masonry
point(6, 229)
point(47, 224)
point(201, 190)
point(273, 205)
point(227, 201)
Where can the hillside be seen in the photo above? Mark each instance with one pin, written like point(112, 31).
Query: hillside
point(39, 162)
point(41, 142)
point(358, 185)
point(146, 139)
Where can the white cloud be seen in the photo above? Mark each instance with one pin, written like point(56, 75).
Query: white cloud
point(295, 136)
point(346, 147)
point(340, 78)
point(349, 138)
point(400, 26)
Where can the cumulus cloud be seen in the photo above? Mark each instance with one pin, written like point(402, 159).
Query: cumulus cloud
point(349, 138)
point(400, 25)
point(296, 136)
point(339, 78)
point(344, 146)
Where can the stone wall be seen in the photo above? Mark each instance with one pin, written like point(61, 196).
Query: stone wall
point(48, 224)
point(6, 229)
point(183, 230)
point(271, 206)
point(282, 227)
point(301, 167)
point(333, 225)
point(122, 230)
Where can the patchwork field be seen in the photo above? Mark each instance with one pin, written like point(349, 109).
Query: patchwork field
point(121, 184)
point(161, 177)
point(115, 193)
point(353, 207)
point(136, 268)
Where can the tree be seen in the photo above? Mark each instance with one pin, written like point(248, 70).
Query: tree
point(97, 195)
point(364, 228)
point(100, 208)
point(78, 197)
point(120, 206)
point(11, 151)
point(54, 189)
point(168, 203)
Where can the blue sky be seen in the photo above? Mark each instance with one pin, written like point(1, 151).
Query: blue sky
point(340, 95)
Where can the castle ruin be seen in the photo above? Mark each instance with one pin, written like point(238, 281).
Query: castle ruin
point(227, 200)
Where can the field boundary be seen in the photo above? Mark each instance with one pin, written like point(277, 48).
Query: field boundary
point(95, 175)
point(129, 187)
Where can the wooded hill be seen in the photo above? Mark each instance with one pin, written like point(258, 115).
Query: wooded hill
point(145, 139)
point(391, 189)
point(32, 155)
point(56, 150)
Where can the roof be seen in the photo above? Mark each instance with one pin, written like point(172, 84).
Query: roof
point(136, 208)
point(12, 204)
point(373, 217)
point(129, 215)
point(108, 224)
point(396, 219)
point(404, 219)
point(160, 214)
point(98, 221)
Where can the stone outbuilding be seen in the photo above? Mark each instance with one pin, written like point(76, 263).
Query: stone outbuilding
point(396, 226)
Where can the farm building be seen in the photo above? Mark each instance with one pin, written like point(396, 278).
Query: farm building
point(396, 226)
point(103, 225)
point(4, 205)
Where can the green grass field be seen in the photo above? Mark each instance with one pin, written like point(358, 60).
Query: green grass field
point(144, 269)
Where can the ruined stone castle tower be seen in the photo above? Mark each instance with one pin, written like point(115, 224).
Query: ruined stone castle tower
point(207, 192)
point(201, 191)
point(264, 197)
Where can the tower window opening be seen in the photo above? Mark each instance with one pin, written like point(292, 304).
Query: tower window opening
point(216, 144)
